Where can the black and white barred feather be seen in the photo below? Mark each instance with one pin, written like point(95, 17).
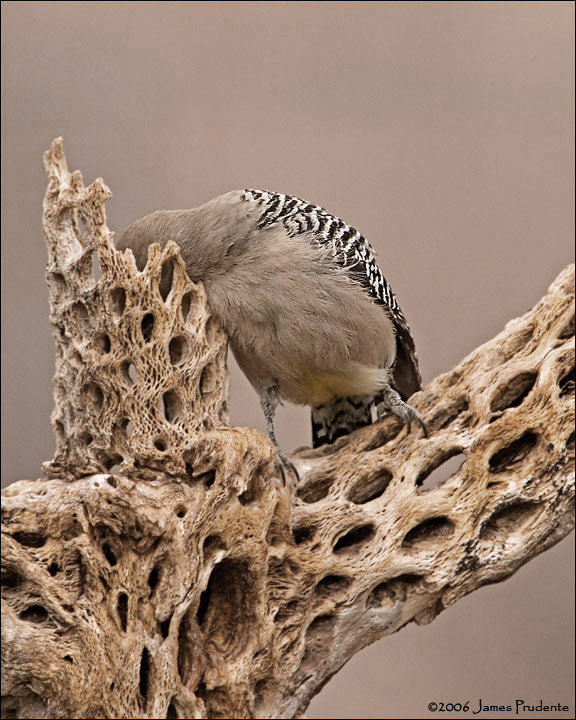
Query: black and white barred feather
point(350, 250)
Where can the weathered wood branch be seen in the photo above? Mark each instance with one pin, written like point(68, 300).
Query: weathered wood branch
point(162, 570)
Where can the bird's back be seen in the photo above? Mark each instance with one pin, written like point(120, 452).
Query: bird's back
point(348, 250)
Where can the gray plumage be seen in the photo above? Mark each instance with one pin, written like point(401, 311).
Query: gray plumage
point(310, 317)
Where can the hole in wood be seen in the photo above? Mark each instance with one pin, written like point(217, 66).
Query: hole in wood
point(25, 704)
point(429, 530)
point(355, 538)
point(153, 578)
point(82, 316)
point(506, 520)
point(186, 302)
point(166, 279)
point(320, 625)
point(318, 638)
point(109, 554)
point(86, 438)
point(446, 465)
point(113, 465)
point(316, 490)
point(129, 372)
point(387, 593)
point(171, 713)
point(567, 383)
point(368, 489)
point(147, 327)
point(187, 647)
point(122, 608)
point(83, 227)
point(259, 690)
point(10, 708)
point(102, 343)
point(160, 444)
point(449, 413)
point(207, 380)
point(178, 349)
point(208, 478)
point(165, 627)
point(226, 609)
point(10, 578)
point(53, 569)
point(96, 267)
point(513, 453)
point(60, 285)
point(332, 585)
point(181, 511)
point(144, 674)
point(29, 539)
point(303, 533)
point(212, 544)
point(126, 427)
point(118, 301)
point(513, 392)
point(283, 569)
point(252, 492)
point(34, 614)
point(203, 604)
point(76, 357)
point(171, 405)
point(94, 396)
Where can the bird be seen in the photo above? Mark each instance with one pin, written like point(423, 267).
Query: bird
point(309, 315)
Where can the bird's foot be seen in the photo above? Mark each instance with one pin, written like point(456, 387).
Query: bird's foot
point(286, 466)
point(269, 401)
point(393, 403)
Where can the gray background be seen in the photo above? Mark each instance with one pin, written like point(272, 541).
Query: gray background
point(443, 131)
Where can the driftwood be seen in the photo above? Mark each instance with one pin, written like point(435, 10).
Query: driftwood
point(162, 570)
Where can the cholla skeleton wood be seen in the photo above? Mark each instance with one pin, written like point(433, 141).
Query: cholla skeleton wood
point(193, 584)
point(137, 370)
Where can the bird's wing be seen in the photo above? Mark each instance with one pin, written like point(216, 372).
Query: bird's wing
point(350, 250)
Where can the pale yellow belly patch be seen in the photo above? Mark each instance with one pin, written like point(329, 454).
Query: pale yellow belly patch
point(317, 388)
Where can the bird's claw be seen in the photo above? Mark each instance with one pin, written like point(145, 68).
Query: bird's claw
point(401, 409)
point(285, 464)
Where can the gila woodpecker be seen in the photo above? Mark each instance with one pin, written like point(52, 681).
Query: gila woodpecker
point(309, 315)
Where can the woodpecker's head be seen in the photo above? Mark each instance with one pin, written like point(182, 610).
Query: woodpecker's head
point(201, 242)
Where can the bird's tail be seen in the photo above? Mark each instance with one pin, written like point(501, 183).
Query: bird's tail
point(343, 415)
point(340, 417)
